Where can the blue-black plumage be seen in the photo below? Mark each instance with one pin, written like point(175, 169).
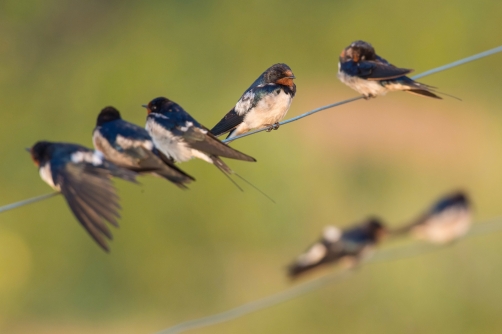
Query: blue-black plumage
point(131, 147)
point(83, 176)
point(363, 70)
point(263, 104)
point(335, 245)
point(180, 137)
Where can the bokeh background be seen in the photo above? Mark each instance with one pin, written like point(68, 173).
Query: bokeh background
point(185, 254)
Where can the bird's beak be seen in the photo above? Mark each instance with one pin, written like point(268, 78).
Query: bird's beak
point(144, 106)
point(28, 149)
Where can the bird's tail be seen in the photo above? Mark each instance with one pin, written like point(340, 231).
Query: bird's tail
point(227, 171)
point(430, 92)
point(164, 167)
point(295, 270)
point(120, 172)
point(401, 231)
point(411, 86)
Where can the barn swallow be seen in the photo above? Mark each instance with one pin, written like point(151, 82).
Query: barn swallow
point(130, 146)
point(263, 104)
point(363, 70)
point(352, 244)
point(179, 136)
point(83, 177)
point(447, 220)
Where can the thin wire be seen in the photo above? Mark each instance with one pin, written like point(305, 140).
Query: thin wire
point(308, 113)
point(435, 70)
point(459, 62)
point(27, 201)
point(386, 255)
point(260, 304)
point(418, 76)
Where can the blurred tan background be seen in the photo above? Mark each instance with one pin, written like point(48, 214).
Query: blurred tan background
point(180, 255)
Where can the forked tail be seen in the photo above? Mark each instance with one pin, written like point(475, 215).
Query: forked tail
point(227, 171)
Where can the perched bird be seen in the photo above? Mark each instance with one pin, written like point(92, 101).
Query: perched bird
point(130, 146)
point(83, 177)
point(447, 220)
point(263, 104)
point(352, 244)
point(180, 137)
point(363, 70)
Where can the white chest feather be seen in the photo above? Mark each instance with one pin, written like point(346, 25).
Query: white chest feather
point(445, 227)
point(362, 86)
point(315, 254)
point(271, 109)
point(167, 143)
point(46, 175)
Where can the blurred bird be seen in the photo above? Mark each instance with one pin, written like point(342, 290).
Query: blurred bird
point(363, 70)
point(263, 104)
point(447, 220)
point(180, 137)
point(130, 146)
point(353, 244)
point(83, 177)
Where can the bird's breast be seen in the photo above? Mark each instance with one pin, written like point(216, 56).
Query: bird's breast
point(167, 143)
point(269, 110)
point(46, 175)
point(362, 86)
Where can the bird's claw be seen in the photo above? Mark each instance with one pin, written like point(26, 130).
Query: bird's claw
point(274, 126)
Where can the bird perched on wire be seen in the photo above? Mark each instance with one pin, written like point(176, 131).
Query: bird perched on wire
point(180, 137)
point(263, 104)
point(445, 221)
point(83, 177)
point(361, 69)
point(335, 245)
point(130, 146)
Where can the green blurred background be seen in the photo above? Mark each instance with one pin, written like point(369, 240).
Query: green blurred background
point(180, 255)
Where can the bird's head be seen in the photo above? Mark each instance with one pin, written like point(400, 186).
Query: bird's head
point(358, 51)
point(107, 114)
point(280, 74)
point(39, 151)
point(159, 105)
point(375, 228)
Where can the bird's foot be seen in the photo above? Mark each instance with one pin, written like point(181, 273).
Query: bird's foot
point(271, 127)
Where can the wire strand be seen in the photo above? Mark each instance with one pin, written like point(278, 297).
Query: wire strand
point(27, 201)
point(382, 256)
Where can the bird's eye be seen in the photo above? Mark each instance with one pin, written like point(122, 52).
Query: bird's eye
point(154, 107)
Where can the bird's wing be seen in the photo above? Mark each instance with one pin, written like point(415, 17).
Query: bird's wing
point(202, 140)
point(229, 122)
point(235, 116)
point(373, 70)
point(149, 161)
point(91, 196)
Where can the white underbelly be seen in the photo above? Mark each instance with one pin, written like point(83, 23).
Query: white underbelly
point(46, 175)
point(271, 109)
point(362, 86)
point(445, 228)
point(167, 143)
